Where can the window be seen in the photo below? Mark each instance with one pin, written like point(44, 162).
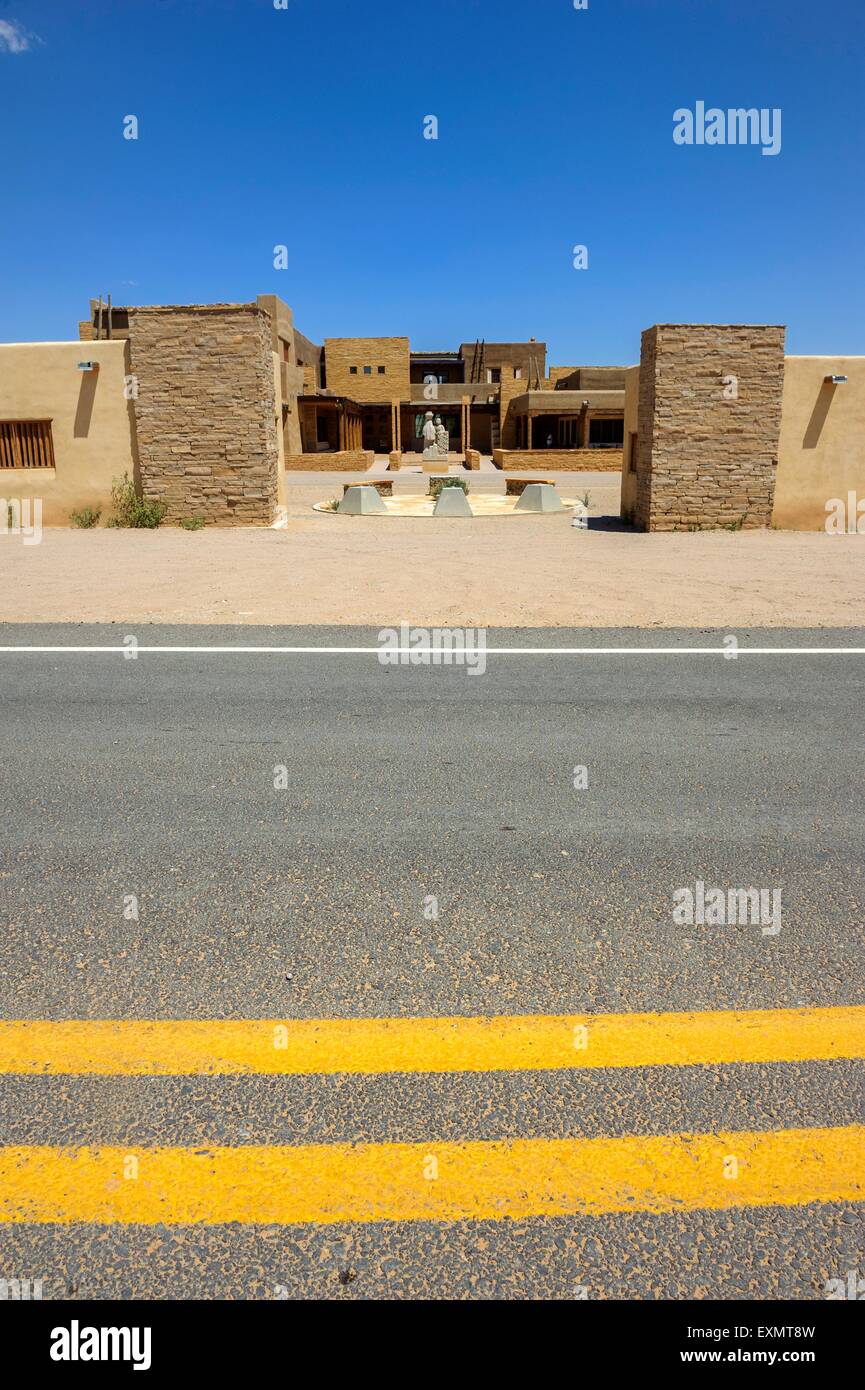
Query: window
point(353, 371)
point(606, 434)
point(494, 374)
point(634, 457)
point(26, 444)
point(381, 371)
point(518, 371)
point(367, 371)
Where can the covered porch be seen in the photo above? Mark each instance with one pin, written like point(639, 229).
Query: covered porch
point(568, 420)
point(330, 424)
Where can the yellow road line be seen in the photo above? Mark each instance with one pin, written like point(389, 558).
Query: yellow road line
point(437, 1182)
point(176, 1047)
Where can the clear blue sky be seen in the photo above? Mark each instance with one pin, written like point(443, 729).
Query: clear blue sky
point(261, 126)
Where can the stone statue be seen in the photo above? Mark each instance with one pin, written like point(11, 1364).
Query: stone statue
point(442, 439)
point(433, 433)
point(429, 437)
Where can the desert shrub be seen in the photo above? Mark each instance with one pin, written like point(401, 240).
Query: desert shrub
point(87, 517)
point(192, 523)
point(436, 485)
point(132, 510)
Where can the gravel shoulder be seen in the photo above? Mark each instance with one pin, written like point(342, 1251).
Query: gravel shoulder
point(492, 571)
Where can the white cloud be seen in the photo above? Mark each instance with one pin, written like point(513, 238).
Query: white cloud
point(13, 39)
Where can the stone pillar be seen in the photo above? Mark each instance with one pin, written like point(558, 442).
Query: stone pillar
point(206, 411)
point(709, 418)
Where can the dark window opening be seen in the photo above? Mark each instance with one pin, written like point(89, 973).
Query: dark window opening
point(606, 434)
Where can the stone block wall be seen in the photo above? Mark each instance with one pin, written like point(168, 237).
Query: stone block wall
point(205, 412)
point(560, 460)
point(375, 386)
point(331, 461)
point(709, 415)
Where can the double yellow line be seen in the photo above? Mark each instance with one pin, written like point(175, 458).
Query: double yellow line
point(517, 1178)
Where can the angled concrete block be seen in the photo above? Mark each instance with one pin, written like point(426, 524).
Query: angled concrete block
point(539, 497)
point(361, 501)
point(452, 501)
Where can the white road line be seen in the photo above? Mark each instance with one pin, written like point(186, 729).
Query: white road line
point(139, 650)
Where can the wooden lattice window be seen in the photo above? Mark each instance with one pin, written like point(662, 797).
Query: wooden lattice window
point(26, 444)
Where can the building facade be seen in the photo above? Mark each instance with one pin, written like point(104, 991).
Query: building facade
point(210, 407)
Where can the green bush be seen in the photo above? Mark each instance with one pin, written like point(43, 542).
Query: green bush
point(192, 523)
point(87, 517)
point(132, 510)
point(332, 505)
point(436, 485)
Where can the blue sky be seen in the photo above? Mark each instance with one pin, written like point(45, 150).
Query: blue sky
point(304, 127)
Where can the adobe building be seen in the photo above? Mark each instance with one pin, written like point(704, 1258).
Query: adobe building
point(210, 407)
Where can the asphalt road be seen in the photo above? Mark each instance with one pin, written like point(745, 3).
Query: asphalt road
point(154, 777)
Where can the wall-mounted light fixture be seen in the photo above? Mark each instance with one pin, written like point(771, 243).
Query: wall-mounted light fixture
point(87, 366)
point(835, 380)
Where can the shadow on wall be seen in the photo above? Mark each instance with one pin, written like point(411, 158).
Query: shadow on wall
point(133, 423)
point(825, 396)
point(86, 397)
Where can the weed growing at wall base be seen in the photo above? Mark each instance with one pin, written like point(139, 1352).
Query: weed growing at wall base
point(132, 510)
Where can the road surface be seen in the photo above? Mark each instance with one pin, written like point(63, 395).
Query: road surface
point(272, 837)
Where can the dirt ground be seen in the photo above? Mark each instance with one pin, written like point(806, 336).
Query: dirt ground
point(490, 571)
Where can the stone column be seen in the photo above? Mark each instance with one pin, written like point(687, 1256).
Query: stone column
point(709, 418)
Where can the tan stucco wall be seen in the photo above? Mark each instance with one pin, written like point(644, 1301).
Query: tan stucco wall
point(91, 423)
point(821, 450)
point(629, 477)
